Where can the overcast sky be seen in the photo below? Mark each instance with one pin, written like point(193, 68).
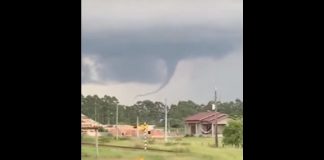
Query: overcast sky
point(157, 49)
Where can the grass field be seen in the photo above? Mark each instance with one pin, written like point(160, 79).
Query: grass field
point(193, 148)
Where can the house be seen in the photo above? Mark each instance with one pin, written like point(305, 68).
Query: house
point(123, 130)
point(88, 125)
point(203, 123)
point(131, 131)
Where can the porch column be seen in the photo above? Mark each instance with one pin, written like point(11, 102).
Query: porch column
point(185, 128)
point(196, 129)
point(213, 130)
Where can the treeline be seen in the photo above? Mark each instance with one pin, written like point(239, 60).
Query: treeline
point(103, 110)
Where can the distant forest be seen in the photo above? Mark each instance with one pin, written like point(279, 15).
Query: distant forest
point(103, 110)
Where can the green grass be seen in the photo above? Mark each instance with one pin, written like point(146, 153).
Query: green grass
point(199, 148)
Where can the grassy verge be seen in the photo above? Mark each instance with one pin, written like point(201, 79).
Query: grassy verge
point(195, 148)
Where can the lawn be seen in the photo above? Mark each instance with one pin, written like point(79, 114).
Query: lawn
point(193, 148)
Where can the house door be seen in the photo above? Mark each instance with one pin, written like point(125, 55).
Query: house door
point(193, 129)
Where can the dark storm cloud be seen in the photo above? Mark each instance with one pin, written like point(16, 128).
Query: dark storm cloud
point(132, 56)
point(132, 53)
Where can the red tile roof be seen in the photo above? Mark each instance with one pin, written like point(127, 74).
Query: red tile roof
point(220, 116)
point(206, 117)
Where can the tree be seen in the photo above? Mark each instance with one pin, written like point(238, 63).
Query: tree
point(104, 107)
point(151, 112)
point(233, 133)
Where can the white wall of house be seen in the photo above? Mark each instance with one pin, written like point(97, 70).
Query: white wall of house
point(187, 129)
point(213, 130)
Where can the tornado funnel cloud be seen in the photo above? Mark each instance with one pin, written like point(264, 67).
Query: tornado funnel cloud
point(171, 67)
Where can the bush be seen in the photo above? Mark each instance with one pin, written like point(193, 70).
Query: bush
point(188, 135)
point(87, 139)
point(178, 139)
point(185, 144)
point(85, 155)
point(101, 129)
point(124, 138)
point(104, 139)
point(175, 125)
point(138, 145)
point(181, 150)
point(170, 143)
point(233, 133)
point(109, 135)
point(151, 141)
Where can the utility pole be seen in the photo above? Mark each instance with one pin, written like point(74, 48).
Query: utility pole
point(95, 110)
point(137, 129)
point(216, 124)
point(166, 122)
point(97, 151)
point(117, 121)
point(108, 118)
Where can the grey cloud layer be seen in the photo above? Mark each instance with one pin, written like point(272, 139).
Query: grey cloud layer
point(128, 43)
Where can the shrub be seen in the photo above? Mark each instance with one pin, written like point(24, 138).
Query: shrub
point(85, 155)
point(181, 150)
point(233, 133)
point(188, 135)
point(109, 134)
point(87, 139)
point(101, 129)
point(169, 143)
point(175, 125)
point(104, 139)
point(151, 141)
point(138, 145)
point(178, 139)
point(185, 143)
point(124, 138)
